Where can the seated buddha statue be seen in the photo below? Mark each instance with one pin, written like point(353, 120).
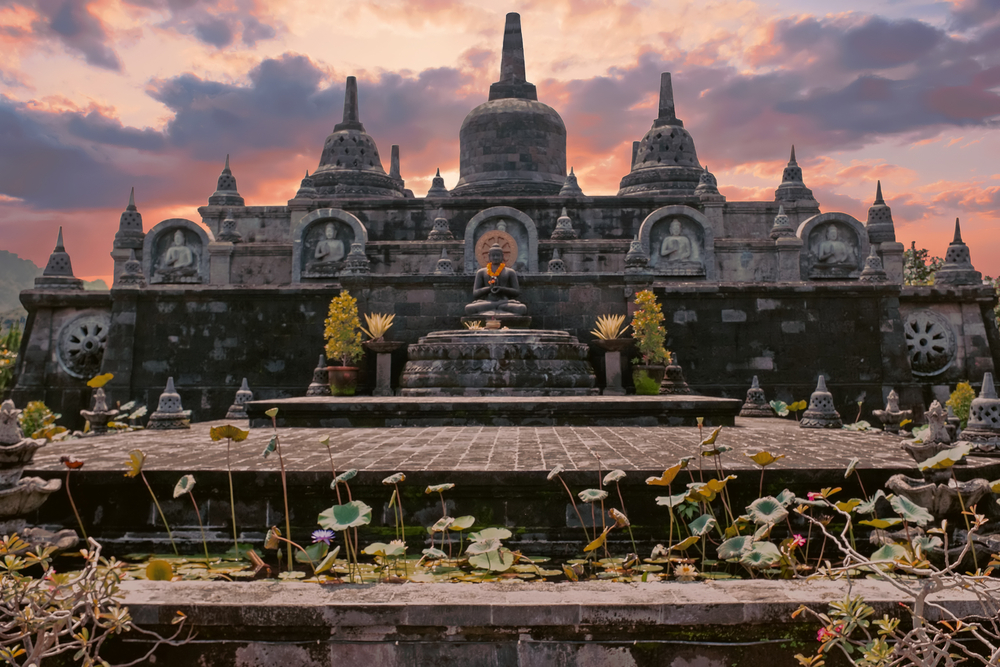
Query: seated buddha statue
point(496, 289)
point(177, 262)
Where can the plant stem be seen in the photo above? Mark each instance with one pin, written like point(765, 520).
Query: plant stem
point(204, 542)
point(402, 524)
point(621, 500)
point(284, 491)
point(575, 509)
point(312, 563)
point(160, 510)
point(73, 505)
point(968, 528)
point(232, 502)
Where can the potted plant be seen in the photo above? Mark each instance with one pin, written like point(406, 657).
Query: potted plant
point(608, 332)
point(343, 342)
point(649, 335)
point(378, 326)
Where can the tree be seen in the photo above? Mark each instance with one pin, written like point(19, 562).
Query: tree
point(918, 266)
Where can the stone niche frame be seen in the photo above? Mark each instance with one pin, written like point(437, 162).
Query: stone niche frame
point(815, 228)
point(654, 228)
point(318, 218)
point(523, 230)
point(158, 239)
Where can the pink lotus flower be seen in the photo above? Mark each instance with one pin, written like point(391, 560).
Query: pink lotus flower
point(812, 495)
point(798, 541)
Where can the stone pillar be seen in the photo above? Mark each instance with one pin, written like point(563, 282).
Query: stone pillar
point(789, 249)
point(383, 374)
point(220, 257)
point(892, 261)
point(613, 373)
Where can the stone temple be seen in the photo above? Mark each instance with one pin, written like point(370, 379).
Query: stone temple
point(776, 289)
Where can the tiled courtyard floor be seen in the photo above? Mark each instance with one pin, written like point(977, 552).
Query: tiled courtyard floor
point(489, 448)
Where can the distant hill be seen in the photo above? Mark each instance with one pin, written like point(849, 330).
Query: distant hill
point(18, 274)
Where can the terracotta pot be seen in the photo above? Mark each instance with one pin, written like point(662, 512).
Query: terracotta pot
point(654, 375)
point(343, 380)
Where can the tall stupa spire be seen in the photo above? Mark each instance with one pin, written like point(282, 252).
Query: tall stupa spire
point(352, 116)
point(667, 115)
point(512, 83)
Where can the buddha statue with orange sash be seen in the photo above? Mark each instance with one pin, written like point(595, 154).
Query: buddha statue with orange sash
point(496, 289)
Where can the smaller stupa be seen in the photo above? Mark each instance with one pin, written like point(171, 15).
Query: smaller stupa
point(756, 404)
point(320, 385)
point(821, 413)
point(984, 415)
point(957, 269)
point(238, 410)
point(170, 414)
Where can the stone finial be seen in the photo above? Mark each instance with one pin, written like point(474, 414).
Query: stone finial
point(984, 414)
point(636, 260)
point(512, 83)
point(892, 415)
point(564, 228)
point(170, 414)
point(227, 231)
point(226, 193)
point(937, 420)
point(10, 429)
point(667, 112)
point(238, 410)
point(957, 268)
point(394, 162)
point(821, 412)
point(58, 271)
point(556, 264)
point(320, 385)
point(570, 188)
point(130, 234)
point(444, 266)
point(437, 186)
point(635, 151)
point(782, 228)
point(131, 275)
point(708, 186)
point(307, 188)
point(792, 187)
point(440, 231)
point(756, 404)
point(357, 262)
point(352, 114)
point(879, 225)
point(873, 271)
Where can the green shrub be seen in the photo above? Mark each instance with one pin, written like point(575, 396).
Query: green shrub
point(961, 401)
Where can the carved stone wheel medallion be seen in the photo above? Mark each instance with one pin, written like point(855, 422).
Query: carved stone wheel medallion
point(930, 341)
point(81, 344)
point(506, 242)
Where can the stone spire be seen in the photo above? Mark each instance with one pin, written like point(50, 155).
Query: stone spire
point(571, 188)
point(958, 269)
point(792, 188)
point(756, 404)
point(226, 193)
point(879, 225)
point(58, 271)
point(437, 186)
point(512, 83)
point(564, 228)
point(873, 271)
point(556, 264)
point(821, 413)
point(170, 414)
point(394, 162)
point(307, 189)
point(708, 186)
point(782, 228)
point(444, 266)
point(665, 161)
point(350, 165)
point(238, 410)
point(130, 234)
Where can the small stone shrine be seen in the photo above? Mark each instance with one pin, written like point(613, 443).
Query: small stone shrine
point(169, 412)
point(756, 404)
point(747, 287)
point(821, 412)
point(238, 410)
point(891, 416)
point(320, 385)
point(100, 415)
point(984, 415)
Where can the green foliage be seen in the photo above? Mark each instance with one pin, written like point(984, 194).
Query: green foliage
point(961, 400)
point(919, 267)
point(349, 515)
point(343, 330)
point(10, 342)
point(645, 385)
point(648, 330)
point(37, 421)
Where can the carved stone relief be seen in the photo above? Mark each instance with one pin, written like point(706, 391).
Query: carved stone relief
point(81, 344)
point(325, 246)
point(930, 341)
point(677, 247)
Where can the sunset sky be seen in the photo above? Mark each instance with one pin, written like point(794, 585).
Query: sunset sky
point(97, 96)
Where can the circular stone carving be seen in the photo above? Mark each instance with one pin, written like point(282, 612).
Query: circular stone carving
point(930, 341)
point(505, 240)
point(81, 344)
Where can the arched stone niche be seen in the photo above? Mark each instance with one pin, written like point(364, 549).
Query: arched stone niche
point(321, 241)
point(834, 247)
point(509, 226)
point(175, 251)
point(679, 241)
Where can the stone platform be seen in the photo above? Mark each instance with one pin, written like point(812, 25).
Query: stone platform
point(355, 412)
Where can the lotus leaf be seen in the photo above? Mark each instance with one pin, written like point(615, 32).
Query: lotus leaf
point(710, 440)
point(699, 492)
point(848, 505)
point(761, 554)
point(763, 532)
point(780, 408)
point(483, 545)
point(325, 440)
point(598, 543)
point(328, 561)
point(159, 570)
point(621, 521)
point(271, 540)
point(767, 510)
point(889, 552)
point(786, 498)
point(436, 554)
point(349, 515)
point(272, 445)
point(272, 413)
point(910, 511)
point(797, 406)
point(439, 488)
point(857, 426)
point(384, 550)
point(945, 459)
point(671, 501)
point(394, 479)
point(138, 413)
point(922, 543)
point(490, 534)
point(702, 525)
point(592, 495)
point(315, 552)
point(613, 476)
point(685, 544)
point(735, 547)
point(463, 522)
point(716, 451)
point(495, 561)
point(765, 458)
point(869, 506)
point(184, 485)
point(442, 524)
point(851, 467)
point(718, 485)
point(667, 478)
point(556, 471)
point(881, 524)
point(229, 431)
point(100, 380)
point(136, 458)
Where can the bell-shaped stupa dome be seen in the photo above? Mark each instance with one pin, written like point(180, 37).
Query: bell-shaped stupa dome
point(664, 162)
point(350, 165)
point(512, 144)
